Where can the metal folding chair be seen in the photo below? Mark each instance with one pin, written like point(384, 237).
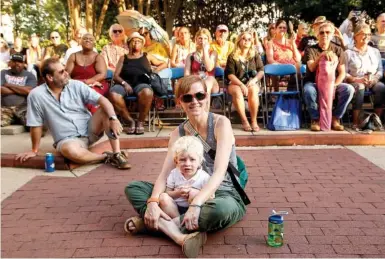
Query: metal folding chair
point(279, 70)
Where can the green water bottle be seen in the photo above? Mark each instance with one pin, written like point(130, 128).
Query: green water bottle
point(275, 230)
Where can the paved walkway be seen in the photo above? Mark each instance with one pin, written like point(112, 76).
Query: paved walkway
point(335, 197)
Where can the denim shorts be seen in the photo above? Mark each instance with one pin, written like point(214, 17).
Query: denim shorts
point(119, 89)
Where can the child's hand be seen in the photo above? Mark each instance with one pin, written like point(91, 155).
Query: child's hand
point(183, 192)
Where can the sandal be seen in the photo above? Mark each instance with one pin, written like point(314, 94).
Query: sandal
point(255, 127)
point(246, 127)
point(139, 128)
point(138, 222)
point(130, 129)
point(192, 244)
point(159, 104)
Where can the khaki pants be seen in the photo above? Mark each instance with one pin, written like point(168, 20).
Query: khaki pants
point(223, 211)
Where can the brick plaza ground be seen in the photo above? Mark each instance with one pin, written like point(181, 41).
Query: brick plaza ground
point(335, 199)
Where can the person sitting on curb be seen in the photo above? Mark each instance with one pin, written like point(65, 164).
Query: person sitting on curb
point(60, 104)
point(15, 85)
point(344, 92)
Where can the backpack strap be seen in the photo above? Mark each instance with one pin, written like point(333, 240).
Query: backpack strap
point(230, 167)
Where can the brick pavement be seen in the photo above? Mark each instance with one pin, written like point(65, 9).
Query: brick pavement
point(336, 201)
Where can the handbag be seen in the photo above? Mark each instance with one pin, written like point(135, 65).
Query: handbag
point(370, 121)
point(286, 114)
point(158, 84)
point(241, 172)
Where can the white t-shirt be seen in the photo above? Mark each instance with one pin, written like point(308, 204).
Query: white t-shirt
point(176, 179)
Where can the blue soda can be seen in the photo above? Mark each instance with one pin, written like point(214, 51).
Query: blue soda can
point(275, 229)
point(49, 163)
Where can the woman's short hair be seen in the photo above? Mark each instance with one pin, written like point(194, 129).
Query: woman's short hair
point(184, 85)
point(326, 24)
point(188, 145)
point(237, 48)
point(110, 31)
point(203, 31)
point(359, 27)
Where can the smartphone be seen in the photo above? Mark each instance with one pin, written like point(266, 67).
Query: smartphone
point(110, 134)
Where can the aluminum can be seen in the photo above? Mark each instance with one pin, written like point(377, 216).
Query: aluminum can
point(49, 163)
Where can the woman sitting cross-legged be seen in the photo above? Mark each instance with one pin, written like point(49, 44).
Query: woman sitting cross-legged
point(244, 70)
point(89, 67)
point(203, 214)
point(131, 78)
point(363, 71)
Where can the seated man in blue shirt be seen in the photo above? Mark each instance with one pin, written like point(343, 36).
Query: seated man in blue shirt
point(60, 105)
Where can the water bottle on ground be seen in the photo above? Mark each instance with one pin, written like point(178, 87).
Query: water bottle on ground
point(275, 230)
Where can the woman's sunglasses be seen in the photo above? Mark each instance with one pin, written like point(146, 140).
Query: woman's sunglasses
point(188, 98)
point(117, 31)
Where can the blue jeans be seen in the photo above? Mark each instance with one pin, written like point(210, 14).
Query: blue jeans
point(378, 91)
point(344, 94)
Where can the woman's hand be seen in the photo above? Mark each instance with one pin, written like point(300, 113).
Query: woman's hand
point(128, 89)
point(152, 215)
point(244, 90)
point(251, 82)
point(191, 218)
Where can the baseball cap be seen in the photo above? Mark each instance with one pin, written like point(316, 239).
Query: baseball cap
point(17, 57)
point(222, 27)
point(136, 34)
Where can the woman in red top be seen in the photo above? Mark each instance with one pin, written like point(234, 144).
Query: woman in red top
point(280, 49)
point(202, 61)
point(89, 67)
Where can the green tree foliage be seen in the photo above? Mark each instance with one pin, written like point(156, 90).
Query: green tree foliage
point(40, 19)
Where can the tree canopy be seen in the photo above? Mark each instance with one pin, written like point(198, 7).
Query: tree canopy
point(41, 17)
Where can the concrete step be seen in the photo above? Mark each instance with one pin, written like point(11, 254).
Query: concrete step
point(12, 130)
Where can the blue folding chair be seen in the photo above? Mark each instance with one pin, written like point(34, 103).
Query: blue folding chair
point(279, 70)
point(220, 73)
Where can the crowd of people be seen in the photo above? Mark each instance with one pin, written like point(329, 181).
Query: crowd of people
point(194, 193)
point(131, 58)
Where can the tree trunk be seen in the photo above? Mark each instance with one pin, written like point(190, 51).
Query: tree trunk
point(101, 19)
point(171, 9)
point(148, 7)
point(89, 16)
point(71, 14)
point(76, 14)
point(159, 14)
point(122, 6)
point(140, 6)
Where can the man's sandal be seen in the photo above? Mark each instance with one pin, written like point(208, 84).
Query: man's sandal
point(192, 244)
point(138, 223)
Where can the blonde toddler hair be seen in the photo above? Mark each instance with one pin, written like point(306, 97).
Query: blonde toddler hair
point(188, 145)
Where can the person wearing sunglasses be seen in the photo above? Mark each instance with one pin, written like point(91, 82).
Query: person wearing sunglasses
point(202, 62)
point(157, 49)
point(203, 214)
point(131, 78)
point(116, 48)
point(89, 67)
point(343, 91)
point(364, 71)
point(244, 70)
point(57, 49)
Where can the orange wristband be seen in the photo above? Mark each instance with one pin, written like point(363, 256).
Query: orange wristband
point(153, 199)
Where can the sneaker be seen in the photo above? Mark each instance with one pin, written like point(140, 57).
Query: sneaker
point(315, 126)
point(118, 160)
point(336, 125)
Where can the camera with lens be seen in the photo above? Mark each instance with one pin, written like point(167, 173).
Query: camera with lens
point(248, 75)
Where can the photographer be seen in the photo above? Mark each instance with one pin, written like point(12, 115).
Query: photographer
point(244, 70)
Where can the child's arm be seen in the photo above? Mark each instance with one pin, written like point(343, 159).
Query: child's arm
point(175, 193)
